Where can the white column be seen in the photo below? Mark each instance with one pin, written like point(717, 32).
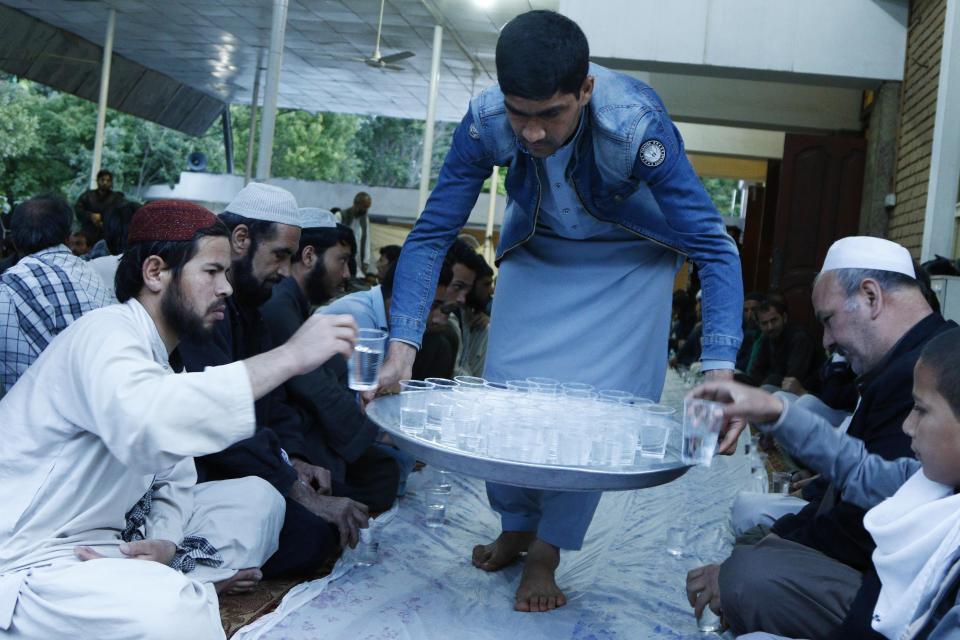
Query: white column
point(248, 171)
point(489, 250)
point(102, 103)
point(275, 58)
point(426, 164)
point(939, 218)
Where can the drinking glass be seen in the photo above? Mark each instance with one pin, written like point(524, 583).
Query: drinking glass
point(780, 482)
point(363, 368)
point(614, 394)
point(575, 387)
point(439, 405)
point(470, 383)
point(702, 421)
point(520, 386)
point(708, 622)
point(436, 506)
point(676, 541)
point(414, 395)
point(367, 552)
point(653, 440)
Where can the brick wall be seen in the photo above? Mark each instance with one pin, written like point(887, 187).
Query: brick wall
point(918, 104)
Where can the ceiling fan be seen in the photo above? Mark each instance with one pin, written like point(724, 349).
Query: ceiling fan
point(385, 62)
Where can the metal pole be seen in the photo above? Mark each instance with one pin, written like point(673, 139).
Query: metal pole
point(426, 165)
point(248, 171)
point(227, 138)
point(491, 211)
point(274, 59)
point(102, 103)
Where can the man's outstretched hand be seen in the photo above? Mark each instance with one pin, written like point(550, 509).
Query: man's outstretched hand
point(742, 404)
point(397, 366)
point(732, 428)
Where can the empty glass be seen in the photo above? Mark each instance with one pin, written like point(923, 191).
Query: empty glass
point(614, 394)
point(367, 552)
point(676, 541)
point(414, 395)
point(470, 383)
point(520, 386)
point(363, 368)
point(702, 421)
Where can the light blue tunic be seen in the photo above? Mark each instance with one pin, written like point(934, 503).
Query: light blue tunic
point(581, 301)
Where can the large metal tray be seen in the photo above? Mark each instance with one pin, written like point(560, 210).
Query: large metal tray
point(645, 472)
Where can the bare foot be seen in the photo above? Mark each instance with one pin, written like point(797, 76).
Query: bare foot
point(538, 590)
point(242, 581)
point(503, 551)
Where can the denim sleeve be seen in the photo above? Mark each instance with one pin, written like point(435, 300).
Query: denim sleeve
point(865, 479)
point(465, 168)
point(697, 226)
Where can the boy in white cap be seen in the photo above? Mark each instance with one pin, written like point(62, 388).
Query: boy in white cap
point(803, 580)
point(264, 224)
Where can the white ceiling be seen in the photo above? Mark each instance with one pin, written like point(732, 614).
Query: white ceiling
point(212, 45)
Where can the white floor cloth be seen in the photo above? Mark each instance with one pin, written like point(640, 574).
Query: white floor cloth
point(622, 584)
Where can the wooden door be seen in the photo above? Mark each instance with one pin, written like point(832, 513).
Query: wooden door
point(758, 230)
point(821, 181)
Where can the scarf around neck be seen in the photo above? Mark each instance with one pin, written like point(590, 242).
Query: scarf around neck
point(917, 531)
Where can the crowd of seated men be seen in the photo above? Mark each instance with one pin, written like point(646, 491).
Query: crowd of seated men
point(257, 461)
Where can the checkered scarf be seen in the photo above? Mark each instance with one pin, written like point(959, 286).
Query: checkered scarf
point(190, 551)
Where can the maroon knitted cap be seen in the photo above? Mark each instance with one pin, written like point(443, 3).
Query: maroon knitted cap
point(169, 220)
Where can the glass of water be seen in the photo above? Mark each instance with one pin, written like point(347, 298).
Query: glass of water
point(437, 499)
point(439, 406)
point(702, 421)
point(414, 395)
point(780, 482)
point(363, 368)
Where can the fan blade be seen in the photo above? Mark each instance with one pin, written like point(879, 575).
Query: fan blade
point(394, 67)
point(397, 57)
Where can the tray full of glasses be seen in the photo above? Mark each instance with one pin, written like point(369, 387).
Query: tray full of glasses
point(569, 440)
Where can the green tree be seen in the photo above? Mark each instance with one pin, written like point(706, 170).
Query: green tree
point(721, 191)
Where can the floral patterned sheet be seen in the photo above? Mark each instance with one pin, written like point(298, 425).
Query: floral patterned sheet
point(622, 584)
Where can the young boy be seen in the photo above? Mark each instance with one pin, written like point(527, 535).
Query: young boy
point(914, 515)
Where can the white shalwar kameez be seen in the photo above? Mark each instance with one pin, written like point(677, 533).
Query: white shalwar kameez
point(94, 423)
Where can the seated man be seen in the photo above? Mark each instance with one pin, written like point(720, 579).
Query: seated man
point(472, 323)
point(336, 435)
point(47, 290)
point(388, 257)
point(97, 423)
point(265, 233)
point(437, 356)
point(751, 330)
point(875, 314)
point(914, 518)
point(785, 350)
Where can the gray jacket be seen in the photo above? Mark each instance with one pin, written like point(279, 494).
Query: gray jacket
point(866, 480)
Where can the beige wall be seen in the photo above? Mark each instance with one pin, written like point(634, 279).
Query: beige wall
point(917, 110)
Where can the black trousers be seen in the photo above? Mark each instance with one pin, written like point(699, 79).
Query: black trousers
point(306, 542)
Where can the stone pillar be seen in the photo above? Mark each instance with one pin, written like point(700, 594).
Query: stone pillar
point(881, 161)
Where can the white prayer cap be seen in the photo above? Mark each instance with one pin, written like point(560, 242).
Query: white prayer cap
point(316, 218)
point(266, 202)
point(865, 252)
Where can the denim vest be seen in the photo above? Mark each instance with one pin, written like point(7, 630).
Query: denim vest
point(629, 168)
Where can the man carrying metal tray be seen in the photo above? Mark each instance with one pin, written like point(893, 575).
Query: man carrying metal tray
point(603, 207)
